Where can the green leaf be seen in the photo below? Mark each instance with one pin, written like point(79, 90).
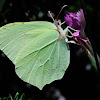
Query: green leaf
point(11, 98)
point(34, 48)
point(1, 4)
point(16, 96)
point(22, 97)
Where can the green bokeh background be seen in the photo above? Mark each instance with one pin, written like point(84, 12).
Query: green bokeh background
point(80, 81)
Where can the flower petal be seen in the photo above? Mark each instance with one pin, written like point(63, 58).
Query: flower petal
point(72, 20)
point(81, 18)
point(68, 20)
point(77, 37)
point(76, 33)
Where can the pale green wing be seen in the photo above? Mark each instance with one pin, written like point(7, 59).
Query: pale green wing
point(29, 36)
point(45, 65)
point(33, 47)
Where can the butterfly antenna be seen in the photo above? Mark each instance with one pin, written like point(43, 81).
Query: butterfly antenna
point(50, 13)
point(61, 10)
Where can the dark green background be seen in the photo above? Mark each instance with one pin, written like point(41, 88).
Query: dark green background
point(80, 81)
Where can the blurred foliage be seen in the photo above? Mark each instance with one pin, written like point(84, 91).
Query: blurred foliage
point(77, 77)
point(16, 97)
point(1, 4)
point(30, 10)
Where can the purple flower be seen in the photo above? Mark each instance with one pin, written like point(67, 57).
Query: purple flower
point(76, 21)
point(77, 37)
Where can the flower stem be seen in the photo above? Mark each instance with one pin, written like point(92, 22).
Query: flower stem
point(91, 38)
